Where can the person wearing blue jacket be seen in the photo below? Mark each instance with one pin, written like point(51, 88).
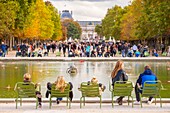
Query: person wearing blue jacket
point(147, 75)
point(88, 50)
point(4, 49)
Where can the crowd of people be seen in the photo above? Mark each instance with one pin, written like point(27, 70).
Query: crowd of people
point(85, 49)
point(118, 74)
point(89, 49)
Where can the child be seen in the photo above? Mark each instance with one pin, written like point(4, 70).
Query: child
point(101, 86)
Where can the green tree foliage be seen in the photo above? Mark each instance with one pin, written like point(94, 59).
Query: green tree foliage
point(155, 20)
point(72, 28)
point(141, 20)
point(73, 31)
point(57, 35)
point(98, 30)
point(111, 22)
point(108, 22)
point(8, 10)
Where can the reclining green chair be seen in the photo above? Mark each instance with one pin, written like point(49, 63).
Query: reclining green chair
point(89, 90)
point(121, 88)
point(25, 90)
point(151, 89)
point(58, 94)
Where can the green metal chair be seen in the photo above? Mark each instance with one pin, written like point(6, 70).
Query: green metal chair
point(58, 54)
point(151, 89)
point(25, 90)
point(58, 94)
point(121, 88)
point(89, 90)
point(146, 54)
point(164, 54)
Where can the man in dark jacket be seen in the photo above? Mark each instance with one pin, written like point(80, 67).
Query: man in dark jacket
point(147, 75)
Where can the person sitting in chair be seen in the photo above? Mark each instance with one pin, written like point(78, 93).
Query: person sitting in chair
point(147, 75)
point(118, 74)
point(60, 85)
point(101, 86)
point(27, 78)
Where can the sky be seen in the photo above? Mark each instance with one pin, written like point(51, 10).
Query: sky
point(88, 10)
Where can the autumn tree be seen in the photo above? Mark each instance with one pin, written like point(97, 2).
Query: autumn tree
point(141, 20)
point(130, 20)
point(39, 24)
point(7, 17)
point(57, 34)
point(22, 16)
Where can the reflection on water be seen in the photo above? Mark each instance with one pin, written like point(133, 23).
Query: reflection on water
point(43, 72)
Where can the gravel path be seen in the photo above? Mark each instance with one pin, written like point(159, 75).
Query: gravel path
point(89, 108)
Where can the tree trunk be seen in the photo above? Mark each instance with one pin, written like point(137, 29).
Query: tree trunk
point(10, 43)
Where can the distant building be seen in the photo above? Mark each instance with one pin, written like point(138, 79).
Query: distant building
point(88, 29)
point(66, 14)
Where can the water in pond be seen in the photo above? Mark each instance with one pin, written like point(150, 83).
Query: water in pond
point(43, 72)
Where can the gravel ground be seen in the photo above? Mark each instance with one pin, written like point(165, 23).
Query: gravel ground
point(89, 108)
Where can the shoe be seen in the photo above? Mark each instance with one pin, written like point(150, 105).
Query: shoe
point(136, 103)
point(150, 102)
point(40, 105)
point(120, 102)
point(117, 100)
point(58, 102)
